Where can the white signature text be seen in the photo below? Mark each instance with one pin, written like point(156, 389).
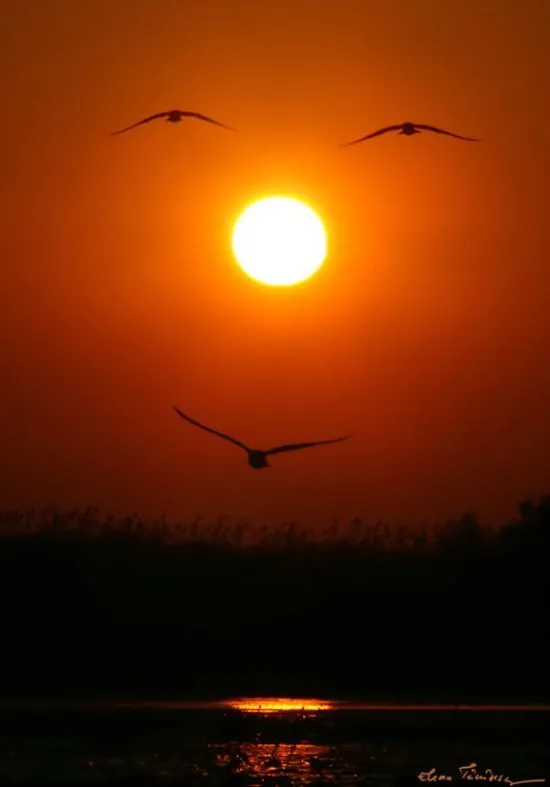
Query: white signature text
point(470, 773)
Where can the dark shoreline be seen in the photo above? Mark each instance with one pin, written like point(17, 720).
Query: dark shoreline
point(92, 611)
point(225, 724)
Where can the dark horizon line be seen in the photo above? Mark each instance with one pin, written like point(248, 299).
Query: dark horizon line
point(257, 704)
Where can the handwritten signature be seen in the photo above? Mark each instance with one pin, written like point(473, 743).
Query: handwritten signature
point(470, 773)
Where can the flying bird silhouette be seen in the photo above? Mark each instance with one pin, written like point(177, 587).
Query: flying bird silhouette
point(408, 129)
point(256, 457)
point(173, 116)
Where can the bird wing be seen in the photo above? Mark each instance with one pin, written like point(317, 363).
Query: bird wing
point(206, 119)
point(370, 136)
point(207, 428)
point(298, 446)
point(442, 131)
point(140, 122)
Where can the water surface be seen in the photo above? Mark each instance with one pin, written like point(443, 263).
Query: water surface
point(266, 740)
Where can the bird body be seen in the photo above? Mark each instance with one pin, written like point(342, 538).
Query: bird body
point(173, 116)
point(257, 459)
point(408, 129)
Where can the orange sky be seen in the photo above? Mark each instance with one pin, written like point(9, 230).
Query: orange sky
point(426, 333)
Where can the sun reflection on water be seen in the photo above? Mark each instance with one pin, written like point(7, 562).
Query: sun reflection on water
point(279, 705)
point(279, 764)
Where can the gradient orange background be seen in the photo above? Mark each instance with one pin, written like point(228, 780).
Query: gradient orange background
point(426, 333)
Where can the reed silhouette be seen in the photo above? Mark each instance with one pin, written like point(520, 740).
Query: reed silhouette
point(97, 604)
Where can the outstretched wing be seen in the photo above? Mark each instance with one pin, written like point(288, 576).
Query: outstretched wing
point(370, 136)
point(206, 119)
point(140, 122)
point(207, 429)
point(299, 446)
point(442, 131)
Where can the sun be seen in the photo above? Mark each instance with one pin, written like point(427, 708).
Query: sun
point(279, 241)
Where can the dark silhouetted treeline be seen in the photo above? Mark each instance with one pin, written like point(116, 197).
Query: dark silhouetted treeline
point(98, 606)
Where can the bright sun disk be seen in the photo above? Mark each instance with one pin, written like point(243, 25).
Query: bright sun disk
point(279, 241)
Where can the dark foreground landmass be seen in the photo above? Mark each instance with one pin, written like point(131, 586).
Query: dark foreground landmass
point(96, 607)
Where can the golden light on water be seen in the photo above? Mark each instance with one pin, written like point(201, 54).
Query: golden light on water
point(279, 705)
point(279, 241)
